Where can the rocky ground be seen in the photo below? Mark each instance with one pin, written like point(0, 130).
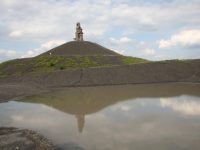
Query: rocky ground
point(16, 139)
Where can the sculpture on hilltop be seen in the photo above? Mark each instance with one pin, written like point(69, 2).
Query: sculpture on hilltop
point(79, 33)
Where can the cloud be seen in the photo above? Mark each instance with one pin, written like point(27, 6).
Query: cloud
point(33, 21)
point(120, 41)
point(57, 18)
point(188, 107)
point(51, 44)
point(16, 34)
point(143, 48)
point(146, 17)
point(44, 47)
point(121, 107)
point(41, 20)
point(8, 54)
point(148, 51)
point(134, 17)
point(119, 45)
point(185, 38)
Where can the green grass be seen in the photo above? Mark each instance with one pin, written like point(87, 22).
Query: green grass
point(57, 62)
point(46, 64)
point(132, 60)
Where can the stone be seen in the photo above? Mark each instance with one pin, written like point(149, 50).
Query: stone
point(78, 33)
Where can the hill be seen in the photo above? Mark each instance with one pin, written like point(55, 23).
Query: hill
point(68, 67)
point(71, 55)
point(47, 64)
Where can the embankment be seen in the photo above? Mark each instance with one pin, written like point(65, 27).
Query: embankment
point(155, 72)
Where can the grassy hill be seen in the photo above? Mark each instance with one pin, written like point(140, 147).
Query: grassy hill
point(70, 55)
point(45, 64)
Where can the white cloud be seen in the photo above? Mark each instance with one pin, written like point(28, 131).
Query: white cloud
point(51, 44)
point(118, 45)
point(34, 21)
point(16, 33)
point(135, 17)
point(44, 47)
point(185, 38)
point(121, 41)
point(56, 18)
point(121, 107)
point(188, 107)
point(41, 20)
point(156, 16)
point(148, 51)
point(7, 54)
point(9, 2)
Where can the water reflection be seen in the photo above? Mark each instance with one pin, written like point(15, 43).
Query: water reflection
point(184, 105)
point(116, 117)
point(81, 101)
point(80, 122)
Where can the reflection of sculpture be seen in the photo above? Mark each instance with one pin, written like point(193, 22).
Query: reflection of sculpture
point(79, 33)
point(80, 122)
point(87, 100)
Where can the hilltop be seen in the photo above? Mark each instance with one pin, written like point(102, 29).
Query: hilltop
point(80, 48)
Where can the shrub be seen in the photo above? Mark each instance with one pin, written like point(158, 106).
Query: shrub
point(52, 64)
point(62, 67)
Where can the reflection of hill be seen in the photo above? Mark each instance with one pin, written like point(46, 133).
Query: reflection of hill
point(81, 101)
point(86, 100)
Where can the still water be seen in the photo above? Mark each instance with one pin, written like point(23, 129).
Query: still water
point(127, 117)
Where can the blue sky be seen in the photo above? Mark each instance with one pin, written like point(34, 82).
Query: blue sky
point(151, 29)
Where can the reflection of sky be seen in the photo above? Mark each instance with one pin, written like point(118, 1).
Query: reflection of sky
point(184, 105)
point(161, 123)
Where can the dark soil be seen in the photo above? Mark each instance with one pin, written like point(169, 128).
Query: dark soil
point(80, 48)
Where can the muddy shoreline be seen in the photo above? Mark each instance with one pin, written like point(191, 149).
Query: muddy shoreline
point(17, 95)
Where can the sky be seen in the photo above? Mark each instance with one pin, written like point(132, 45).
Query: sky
point(150, 29)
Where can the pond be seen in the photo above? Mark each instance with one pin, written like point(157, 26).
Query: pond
point(124, 117)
